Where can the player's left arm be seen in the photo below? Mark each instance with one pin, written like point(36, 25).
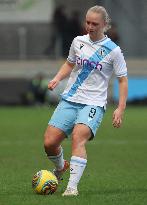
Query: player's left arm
point(123, 92)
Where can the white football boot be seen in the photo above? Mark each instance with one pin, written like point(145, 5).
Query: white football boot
point(70, 192)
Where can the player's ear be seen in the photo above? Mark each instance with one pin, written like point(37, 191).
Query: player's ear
point(104, 24)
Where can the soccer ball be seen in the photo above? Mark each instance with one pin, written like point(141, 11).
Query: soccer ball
point(44, 182)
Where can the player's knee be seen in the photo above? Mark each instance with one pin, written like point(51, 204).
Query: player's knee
point(78, 140)
point(49, 142)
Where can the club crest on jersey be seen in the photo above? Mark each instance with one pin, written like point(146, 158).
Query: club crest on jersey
point(81, 46)
point(102, 52)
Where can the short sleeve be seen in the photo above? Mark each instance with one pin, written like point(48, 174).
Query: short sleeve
point(119, 63)
point(72, 57)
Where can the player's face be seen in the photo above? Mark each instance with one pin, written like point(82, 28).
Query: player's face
point(95, 25)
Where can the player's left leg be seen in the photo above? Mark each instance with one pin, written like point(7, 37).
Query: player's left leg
point(81, 134)
point(88, 120)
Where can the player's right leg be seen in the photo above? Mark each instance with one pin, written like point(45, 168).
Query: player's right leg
point(52, 144)
point(60, 125)
point(52, 140)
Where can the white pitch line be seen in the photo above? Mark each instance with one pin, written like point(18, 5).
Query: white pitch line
point(94, 142)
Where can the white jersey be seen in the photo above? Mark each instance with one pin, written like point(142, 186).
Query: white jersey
point(94, 65)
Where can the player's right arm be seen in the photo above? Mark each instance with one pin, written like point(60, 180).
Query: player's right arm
point(64, 72)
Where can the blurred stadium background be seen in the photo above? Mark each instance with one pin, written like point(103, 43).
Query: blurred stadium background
point(31, 50)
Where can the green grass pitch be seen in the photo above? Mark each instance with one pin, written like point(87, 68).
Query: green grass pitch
point(116, 172)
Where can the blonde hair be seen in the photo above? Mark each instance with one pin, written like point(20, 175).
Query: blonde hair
point(102, 10)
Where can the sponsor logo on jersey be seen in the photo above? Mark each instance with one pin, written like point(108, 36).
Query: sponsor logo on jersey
point(90, 64)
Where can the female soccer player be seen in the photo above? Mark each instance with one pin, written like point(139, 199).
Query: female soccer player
point(90, 64)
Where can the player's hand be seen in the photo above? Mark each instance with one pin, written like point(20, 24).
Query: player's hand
point(52, 84)
point(117, 118)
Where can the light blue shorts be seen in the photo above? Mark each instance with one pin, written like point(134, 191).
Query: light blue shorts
point(68, 114)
